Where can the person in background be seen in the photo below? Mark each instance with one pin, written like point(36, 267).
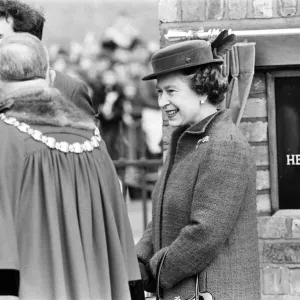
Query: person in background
point(204, 219)
point(17, 16)
point(64, 228)
point(108, 100)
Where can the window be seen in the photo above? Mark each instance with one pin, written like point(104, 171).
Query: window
point(284, 138)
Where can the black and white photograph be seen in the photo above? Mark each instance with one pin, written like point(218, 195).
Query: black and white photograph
point(149, 150)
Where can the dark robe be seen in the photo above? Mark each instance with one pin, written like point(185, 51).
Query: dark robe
point(64, 229)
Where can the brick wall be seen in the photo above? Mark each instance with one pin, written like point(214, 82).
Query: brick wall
point(279, 235)
point(227, 10)
point(280, 257)
point(254, 125)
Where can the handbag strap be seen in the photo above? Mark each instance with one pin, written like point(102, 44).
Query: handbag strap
point(197, 287)
point(158, 276)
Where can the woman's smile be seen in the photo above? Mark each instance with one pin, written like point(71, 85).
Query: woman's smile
point(171, 113)
point(180, 103)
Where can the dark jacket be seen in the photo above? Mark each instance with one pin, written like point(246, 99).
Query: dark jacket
point(74, 90)
point(204, 214)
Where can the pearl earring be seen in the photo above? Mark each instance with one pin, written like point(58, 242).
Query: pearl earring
point(202, 101)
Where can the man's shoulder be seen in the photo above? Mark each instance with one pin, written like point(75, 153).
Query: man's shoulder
point(63, 80)
point(74, 90)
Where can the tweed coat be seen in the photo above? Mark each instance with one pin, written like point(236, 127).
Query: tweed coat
point(74, 90)
point(204, 214)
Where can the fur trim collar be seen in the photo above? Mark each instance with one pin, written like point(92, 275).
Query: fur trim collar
point(45, 107)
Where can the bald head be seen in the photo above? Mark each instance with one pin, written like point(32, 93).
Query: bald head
point(22, 58)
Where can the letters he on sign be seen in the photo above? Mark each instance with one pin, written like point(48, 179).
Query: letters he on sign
point(293, 159)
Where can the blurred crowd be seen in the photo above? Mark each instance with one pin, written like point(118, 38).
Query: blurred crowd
point(112, 66)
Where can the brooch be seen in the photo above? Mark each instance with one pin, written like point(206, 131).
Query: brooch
point(203, 140)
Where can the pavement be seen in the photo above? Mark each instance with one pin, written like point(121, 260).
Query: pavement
point(135, 213)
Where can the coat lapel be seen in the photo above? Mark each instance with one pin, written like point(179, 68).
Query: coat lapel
point(162, 185)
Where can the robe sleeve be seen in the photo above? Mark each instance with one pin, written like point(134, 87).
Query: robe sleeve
point(218, 196)
point(122, 220)
point(10, 182)
point(8, 238)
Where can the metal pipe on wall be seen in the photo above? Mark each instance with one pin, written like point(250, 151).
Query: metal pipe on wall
point(174, 35)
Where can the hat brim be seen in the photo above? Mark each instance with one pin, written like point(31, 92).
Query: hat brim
point(156, 74)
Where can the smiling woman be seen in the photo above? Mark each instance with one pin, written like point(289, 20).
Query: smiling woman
point(189, 95)
point(204, 204)
point(180, 103)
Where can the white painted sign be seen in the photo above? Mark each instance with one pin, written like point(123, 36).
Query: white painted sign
point(293, 159)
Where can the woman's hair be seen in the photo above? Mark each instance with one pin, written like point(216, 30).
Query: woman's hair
point(26, 18)
point(207, 79)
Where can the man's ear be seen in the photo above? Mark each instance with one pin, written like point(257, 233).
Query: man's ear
point(10, 30)
point(51, 77)
point(10, 20)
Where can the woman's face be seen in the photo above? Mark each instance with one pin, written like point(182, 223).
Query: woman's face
point(180, 103)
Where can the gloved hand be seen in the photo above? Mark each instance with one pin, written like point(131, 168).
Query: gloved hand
point(144, 275)
point(147, 277)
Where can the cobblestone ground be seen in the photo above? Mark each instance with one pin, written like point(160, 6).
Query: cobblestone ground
point(135, 212)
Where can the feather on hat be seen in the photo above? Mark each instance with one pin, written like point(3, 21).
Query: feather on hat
point(188, 54)
point(222, 44)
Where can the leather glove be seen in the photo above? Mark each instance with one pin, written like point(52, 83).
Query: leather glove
point(149, 281)
point(144, 275)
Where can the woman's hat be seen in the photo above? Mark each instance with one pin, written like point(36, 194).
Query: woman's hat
point(181, 56)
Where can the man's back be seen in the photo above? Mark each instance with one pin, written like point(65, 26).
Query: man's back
point(66, 230)
point(74, 90)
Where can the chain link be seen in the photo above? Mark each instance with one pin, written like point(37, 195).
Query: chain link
point(51, 142)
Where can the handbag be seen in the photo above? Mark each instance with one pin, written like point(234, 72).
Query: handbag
point(197, 295)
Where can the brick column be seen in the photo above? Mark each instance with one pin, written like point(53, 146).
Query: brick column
point(279, 239)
